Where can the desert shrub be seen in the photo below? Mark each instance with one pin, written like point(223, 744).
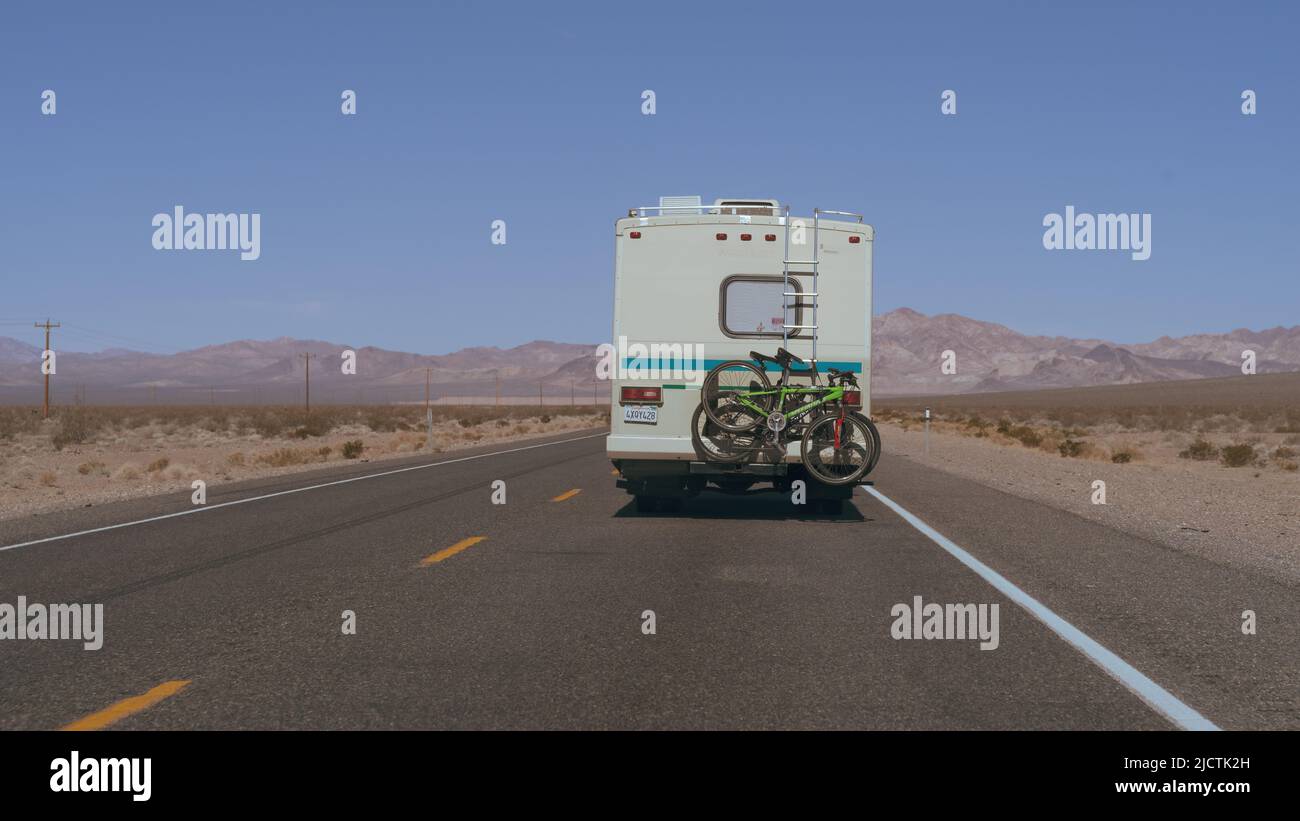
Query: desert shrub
point(1283, 452)
point(236, 458)
point(545, 418)
point(1290, 467)
point(49, 478)
point(282, 457)
point(465, 423)
point(76, 426)
point(1123, 456)
point(1026, 435)
point(127, 471)
point(315, 426)
point(1236, 456)
point(158, 465)
point(352, 449)
point(16, 420)
point(325, 451)
point(267, 424)
point(1071, 448)
point(1200, 451)
point(87, 468)
point(503, 423)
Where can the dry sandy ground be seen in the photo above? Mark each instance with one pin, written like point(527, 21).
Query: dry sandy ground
point(1245, 517)
point(36, 479)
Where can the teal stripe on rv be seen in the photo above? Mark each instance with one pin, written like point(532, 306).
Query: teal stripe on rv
point(669, 363)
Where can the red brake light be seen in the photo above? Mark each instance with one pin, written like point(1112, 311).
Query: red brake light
point(746, 237)
point(719, 236)
point(853, 399)
point(635, 234)
point(770, 237)
point(638, 394)
point(854, 239)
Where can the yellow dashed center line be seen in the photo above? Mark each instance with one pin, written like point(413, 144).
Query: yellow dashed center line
point(127, 707)
point(568, 494)
point(448, 552)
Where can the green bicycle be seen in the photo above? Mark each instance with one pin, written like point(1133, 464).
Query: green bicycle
point(747, 412)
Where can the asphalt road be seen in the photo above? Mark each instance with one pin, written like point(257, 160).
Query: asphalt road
point(766, 616)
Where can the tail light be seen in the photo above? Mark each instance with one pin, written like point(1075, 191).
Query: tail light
point(770, 237)
point(641, 396)
point(719, 236)
point(746, 237)
point(854, 239)
point(853, 399)
point(634, 234)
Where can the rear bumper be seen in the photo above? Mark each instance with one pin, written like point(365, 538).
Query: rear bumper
point(660, 477)
point(667, 449)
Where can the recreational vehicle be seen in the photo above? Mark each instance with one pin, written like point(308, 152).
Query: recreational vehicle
point(696, 285)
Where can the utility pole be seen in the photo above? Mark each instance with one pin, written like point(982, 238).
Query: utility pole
point(498, 375)
point(307, 358)
point(45, 408)
point(573, 396)
point(428, 414)
point(541, 403)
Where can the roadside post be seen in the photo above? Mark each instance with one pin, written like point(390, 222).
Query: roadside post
point(927, 432)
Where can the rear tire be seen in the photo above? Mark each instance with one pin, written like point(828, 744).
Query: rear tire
point(839, 450)
point(715, 445)
point(875, 440)
point(718, 395)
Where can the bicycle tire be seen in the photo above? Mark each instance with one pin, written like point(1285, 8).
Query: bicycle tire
point(850, 458)
point(712, 444)
point(717, 395)
point(875, 436)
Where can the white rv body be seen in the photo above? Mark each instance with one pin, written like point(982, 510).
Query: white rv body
point(709, 278)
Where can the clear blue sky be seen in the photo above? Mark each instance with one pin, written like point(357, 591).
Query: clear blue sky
point(375, 228)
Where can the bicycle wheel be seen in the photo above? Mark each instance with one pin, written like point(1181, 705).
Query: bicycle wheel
point(723, 390)
point(838, 450)
point(712, 444)
point(875, 440)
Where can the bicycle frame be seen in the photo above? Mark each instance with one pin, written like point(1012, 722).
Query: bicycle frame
point(829, 394)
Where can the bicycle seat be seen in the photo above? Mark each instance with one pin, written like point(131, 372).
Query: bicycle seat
point(783, 357)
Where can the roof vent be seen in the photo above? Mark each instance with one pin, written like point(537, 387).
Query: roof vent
point(759, 208)
point(680, 205)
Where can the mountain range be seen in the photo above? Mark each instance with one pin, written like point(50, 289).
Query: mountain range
point(909, 349)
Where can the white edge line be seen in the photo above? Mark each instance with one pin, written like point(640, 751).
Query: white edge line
point(204, 508)
point(1157, 697)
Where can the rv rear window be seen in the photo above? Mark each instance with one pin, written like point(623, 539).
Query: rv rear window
point(752, 306)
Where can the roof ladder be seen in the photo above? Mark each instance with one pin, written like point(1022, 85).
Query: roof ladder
point(788, 292)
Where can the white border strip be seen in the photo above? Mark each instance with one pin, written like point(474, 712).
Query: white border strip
point(293, 490)
point(1160, 699)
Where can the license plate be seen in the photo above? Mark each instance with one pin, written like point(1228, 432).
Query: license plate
point(641, 414)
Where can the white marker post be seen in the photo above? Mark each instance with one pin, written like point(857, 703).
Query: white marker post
point(927, 432)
